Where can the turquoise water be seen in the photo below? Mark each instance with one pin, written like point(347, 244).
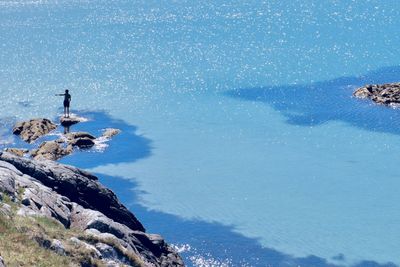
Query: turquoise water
point(241, 130)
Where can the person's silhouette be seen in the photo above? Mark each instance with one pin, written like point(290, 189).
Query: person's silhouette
point(67, 101)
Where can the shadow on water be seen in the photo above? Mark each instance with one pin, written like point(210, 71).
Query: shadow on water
point(321, 102)
point(217, 244)
point(127, 146)
point(212, 244)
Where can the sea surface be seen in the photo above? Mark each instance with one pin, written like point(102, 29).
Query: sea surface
point(242, 144)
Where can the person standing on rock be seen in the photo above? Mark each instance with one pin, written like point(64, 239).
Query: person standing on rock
point(67, 101)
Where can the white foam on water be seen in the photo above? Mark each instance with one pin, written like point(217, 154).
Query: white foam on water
point(100, 144)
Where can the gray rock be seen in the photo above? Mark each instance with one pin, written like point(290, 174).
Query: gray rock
point(2, 264)
point(50, 150)
point(110, 132)
point(107, 251)
point(86, 246)
point(106, 225)
point(7, 178)
point(57, 246)
point(5, 210)
point(24, 211)
point(33, 129)
point(44, 201)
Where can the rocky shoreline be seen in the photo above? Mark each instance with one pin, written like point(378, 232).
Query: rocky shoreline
point(385, 94)
point(31, 130)
point(90, 217)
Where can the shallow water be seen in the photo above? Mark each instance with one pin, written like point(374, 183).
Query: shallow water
point(239, 123)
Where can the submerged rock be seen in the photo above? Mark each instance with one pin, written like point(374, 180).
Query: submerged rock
point(31, 130)
point(110, 132)
point(386, 94)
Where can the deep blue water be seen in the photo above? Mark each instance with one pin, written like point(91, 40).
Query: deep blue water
point(241, 143)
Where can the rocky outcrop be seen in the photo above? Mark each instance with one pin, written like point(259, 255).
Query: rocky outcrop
point(56, 149)
point(78, 201)
point(79, 186)
point(31, 130)
point(386, 94)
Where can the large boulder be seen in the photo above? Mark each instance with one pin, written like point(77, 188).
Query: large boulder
point(110, 132)
point(80, 139)
point(31, 130)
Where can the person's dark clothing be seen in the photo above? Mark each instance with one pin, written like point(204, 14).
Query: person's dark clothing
point(67, 100)
point(66, 103)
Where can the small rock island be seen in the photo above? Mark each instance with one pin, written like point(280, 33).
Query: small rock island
point(385, 94)
point(63, 216)
point(33, 129)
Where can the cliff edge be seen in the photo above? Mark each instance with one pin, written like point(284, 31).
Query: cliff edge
point(66, 212)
